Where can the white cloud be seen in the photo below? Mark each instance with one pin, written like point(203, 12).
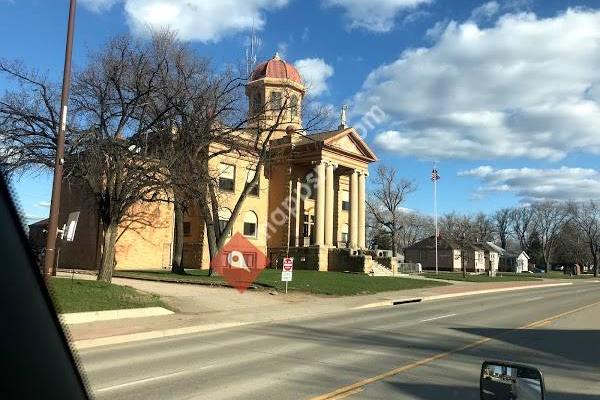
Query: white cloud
point(485, 11)
point(531, 184)
point(374, 15)
point(43, 204)
point(315, 72)
point(525, 87)
point(193, 20)
point(98, 5)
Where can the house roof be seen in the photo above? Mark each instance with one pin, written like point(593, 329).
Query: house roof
point(490, 246)
point(429, 243)
point(445, 243)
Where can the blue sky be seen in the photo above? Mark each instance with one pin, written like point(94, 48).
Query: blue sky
point(504, 94)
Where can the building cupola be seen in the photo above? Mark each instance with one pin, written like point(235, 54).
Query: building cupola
point(273, 85)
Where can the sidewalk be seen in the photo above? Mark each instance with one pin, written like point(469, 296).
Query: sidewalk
point(202, 308)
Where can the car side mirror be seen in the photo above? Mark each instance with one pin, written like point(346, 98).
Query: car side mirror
point(501, 380)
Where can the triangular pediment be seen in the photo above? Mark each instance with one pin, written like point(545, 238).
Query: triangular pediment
point(349, 141)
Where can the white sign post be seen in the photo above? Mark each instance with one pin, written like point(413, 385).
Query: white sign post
point(286, 272)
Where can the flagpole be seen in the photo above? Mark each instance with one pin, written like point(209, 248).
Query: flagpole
point(435, 217)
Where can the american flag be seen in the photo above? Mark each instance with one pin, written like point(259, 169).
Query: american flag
point(434, 175)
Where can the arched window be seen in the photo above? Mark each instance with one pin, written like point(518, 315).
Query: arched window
point(250, 224)
point(276, 101)
point(224, 217)
point(293, 106)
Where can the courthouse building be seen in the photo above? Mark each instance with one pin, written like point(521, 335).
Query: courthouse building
point(320, 178)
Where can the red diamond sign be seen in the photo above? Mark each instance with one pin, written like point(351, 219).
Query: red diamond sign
point(239, 262)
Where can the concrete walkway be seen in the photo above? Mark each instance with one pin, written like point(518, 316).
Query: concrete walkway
point(214, 307)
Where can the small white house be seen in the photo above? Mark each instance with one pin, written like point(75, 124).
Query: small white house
point(514, 262)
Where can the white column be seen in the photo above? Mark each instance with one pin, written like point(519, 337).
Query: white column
point(362, 237)
point(354, 210)
point(329, 204)
point(320, 205)
point(298, 212)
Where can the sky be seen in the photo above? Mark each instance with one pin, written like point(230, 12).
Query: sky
point(503, 95)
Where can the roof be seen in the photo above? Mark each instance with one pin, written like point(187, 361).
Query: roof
point(276, 68)
point(429, 243)
point(445, 244)
point(42, 223)
point(346, 140)
point(494, 247)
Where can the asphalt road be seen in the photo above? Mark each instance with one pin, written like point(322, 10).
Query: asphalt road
point(430, 350)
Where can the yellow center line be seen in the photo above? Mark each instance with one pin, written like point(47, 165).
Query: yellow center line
point(357, 387)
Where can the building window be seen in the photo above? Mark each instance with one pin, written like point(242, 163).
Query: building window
point(276, 101)
point(293, 106)
point(249, 176)
point(187, 229)
point(257, 103)
point(227, 177)
point(308, 225)
point(224, 217)
point(344, 236)
point(250, 224)
point(345, 200)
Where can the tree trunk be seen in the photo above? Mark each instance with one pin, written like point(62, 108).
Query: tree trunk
point(210, 232)
point(177, 265)
point(464, 263)
point(596, 266)
point(394, 244)
point(107, 263)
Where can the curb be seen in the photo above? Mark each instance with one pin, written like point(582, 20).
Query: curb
point(107, 315)
point(134, 337)
point(452, 295)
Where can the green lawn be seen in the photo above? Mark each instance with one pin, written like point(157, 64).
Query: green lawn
point(83, 295)
point(325, 283)
point(501, 277)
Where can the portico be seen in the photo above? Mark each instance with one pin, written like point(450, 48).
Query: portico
point(326, 177)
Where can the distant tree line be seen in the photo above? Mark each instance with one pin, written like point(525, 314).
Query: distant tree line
point(550, 232)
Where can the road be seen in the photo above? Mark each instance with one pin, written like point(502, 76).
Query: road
point(430, 350)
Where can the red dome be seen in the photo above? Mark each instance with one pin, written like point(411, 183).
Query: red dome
point(276, 68)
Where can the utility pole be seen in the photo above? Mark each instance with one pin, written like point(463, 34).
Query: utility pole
point(60, 150)
point(435, 177)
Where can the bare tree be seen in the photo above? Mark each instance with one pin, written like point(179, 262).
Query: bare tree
point(522, 225)
point(502, 220)
point(586, 216)
point(464, 231)
point(385, 202)
point(550, 217)
point(29, 121)
point(415, 227)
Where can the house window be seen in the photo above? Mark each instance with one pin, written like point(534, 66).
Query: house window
point(293, 106)
point(276, 101)
point(227, 177)
point(344, 235)
point(250, 224)
point(249, 176)
point(187, 230)
point(345, 200)
point(224, 217)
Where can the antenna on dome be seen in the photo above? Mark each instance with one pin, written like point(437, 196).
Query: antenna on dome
point(251, 51)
